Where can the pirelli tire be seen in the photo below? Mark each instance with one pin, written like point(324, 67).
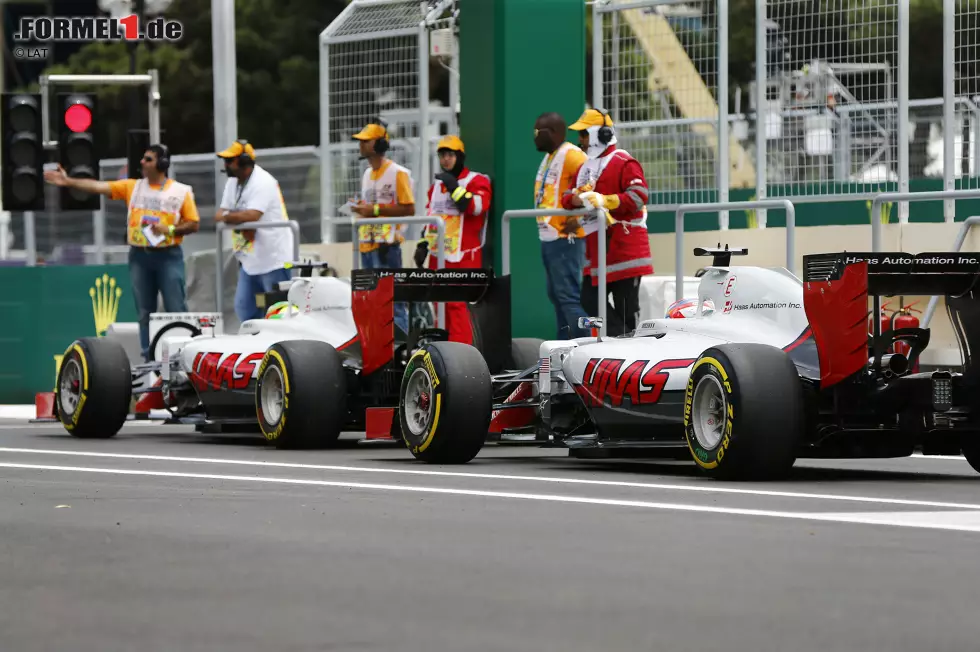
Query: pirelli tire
point(301, 394)
point(744, 412)
point(445, 403)
point(94, 388)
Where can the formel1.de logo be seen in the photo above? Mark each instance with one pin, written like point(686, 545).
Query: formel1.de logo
point(74, 29)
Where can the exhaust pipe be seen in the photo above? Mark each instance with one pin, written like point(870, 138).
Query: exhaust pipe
point(894, 364)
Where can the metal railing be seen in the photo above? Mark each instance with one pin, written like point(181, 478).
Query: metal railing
point(730, 206)
point(547, 212)
point(439, 221)
point(219, 255)
point(910, 197)
point(957, 245)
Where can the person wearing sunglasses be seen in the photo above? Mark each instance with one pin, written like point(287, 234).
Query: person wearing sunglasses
point(161, 212)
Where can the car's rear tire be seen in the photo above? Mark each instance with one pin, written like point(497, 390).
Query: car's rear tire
point(94, 388)
point(524, 352)
point(970, 447)
point(744, 412)
point(445, 403)
point(301, 394)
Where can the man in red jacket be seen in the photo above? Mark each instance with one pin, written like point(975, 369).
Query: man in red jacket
point(612, 183)
point(462, 197)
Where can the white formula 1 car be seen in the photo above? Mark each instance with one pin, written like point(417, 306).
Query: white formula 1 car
point(780, 369)
point(325, 367)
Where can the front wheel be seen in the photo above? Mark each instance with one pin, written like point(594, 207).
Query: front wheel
point(744, 412)
point(446, 399)
point(94, 388)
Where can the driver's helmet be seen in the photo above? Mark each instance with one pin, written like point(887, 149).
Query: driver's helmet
point(686, 308)
point(276, 310)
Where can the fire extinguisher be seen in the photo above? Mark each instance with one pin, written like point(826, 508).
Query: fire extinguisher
point(886, 321)
point(904, 318)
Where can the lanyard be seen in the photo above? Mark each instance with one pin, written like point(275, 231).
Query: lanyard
point(544, 179)
point(241, 189)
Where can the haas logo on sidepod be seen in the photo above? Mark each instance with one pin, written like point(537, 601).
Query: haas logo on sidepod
point(606, 379)
point(211, 373)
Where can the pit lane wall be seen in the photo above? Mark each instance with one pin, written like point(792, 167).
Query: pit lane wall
point(44, 309)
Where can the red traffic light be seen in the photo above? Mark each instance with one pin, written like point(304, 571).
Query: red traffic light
point(78, 118)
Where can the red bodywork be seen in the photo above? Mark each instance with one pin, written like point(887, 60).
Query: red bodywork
point(501, 420)
point(374, 315)
point(838, 314)
point(380, 424)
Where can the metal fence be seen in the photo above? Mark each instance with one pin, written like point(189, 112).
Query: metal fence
point(828, 116)
point(375, 61)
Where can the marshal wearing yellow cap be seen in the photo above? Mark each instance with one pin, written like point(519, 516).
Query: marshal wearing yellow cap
point(462, 198)
point(386, 191)
point(612, 184)
point(252, 194)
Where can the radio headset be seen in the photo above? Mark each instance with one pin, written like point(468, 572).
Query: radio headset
point(163, 158)
point(605, 133)
point(244, 158)
point(381, 145)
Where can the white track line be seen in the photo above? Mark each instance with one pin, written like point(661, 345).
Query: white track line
point(518, 478)
point(955, 521)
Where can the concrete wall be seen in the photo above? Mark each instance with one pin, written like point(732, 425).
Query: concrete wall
point(767, 247)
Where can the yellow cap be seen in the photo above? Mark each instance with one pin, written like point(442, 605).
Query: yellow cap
point(371, 132)
point(237, 149)
point(591, 118)
point(451, 142)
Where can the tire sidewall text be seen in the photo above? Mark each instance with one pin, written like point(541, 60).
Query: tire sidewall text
point(713, 365)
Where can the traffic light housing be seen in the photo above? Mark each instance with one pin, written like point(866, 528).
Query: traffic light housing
point(77, 148)
point(22, 156)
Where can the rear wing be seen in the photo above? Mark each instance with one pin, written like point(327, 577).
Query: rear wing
point(375, 291)
point(413, 284)
point(894, 273)
point(836, 287)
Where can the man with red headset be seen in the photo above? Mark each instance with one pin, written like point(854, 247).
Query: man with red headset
point(613, 184)
point(462, 197)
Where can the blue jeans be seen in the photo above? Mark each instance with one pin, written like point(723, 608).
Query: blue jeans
point(153, 273)
point(249, 286)
point(390, 259)
point(563, 263)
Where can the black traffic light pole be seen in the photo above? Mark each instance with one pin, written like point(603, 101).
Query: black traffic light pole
point(22, 162)
point(151, 79)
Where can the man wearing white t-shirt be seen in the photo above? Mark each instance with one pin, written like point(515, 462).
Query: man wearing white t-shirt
point(253, 195)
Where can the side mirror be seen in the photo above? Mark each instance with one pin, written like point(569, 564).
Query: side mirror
point(589, 322)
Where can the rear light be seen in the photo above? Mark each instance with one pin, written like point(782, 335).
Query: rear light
point(942, 391)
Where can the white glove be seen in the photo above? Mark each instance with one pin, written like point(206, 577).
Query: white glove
point(593, 200)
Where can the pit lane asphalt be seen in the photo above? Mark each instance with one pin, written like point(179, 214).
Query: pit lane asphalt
point(166, 539)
